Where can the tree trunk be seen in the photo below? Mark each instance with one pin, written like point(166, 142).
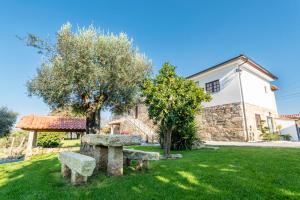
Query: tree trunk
point(93, 120)
point(167, 142)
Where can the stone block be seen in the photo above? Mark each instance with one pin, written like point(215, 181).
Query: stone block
point(78, 179)
point(142, 164)
point(140, 155)
point(84, 165)
point(115, 161)
point(103, 157)
point(172, 157)
point(65, 171)
point(111, 140)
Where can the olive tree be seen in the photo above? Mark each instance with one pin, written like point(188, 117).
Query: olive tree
point(88, 71)
point(7, 120)
point(172, 100)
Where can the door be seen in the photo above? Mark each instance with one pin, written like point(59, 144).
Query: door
point(270, 124)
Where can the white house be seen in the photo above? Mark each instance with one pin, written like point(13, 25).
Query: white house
point(242, 98)
point(289, 124)
point(243, 101)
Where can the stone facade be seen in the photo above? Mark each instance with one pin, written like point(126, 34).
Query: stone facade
point(141, 112)
point(223, 123)
point(220, 123)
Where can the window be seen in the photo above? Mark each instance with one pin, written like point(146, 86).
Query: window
point(213, 86)
point(266, 89)
point(270, 124)
point(258, 121)
point(197, 82)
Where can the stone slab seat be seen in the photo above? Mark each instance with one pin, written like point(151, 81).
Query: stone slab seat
point(142, 157)
point(76, 165)
point(111, 140)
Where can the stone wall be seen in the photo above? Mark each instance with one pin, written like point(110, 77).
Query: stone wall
point(143, 116)
point(221, 123)
point(126, 127)
point(40, 150)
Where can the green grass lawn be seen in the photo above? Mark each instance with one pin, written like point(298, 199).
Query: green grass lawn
point(227, 173)
point(70, 143)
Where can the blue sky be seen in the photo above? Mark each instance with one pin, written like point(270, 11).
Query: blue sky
point(192, 35)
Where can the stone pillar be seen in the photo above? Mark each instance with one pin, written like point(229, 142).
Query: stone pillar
point(65, 171)
point(126, 162)
point(32, 138)
point(115, 161)
point(103, 157)
point(112, 129)
point(100, 154)
point(77, 179)
point(142, 164)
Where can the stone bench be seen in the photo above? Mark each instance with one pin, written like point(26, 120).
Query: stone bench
point(76, 165)
point(141, 157)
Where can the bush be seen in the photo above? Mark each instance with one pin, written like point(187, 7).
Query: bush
point(270, 136)
point(286, 137)
point(183, 136)
point(49, 139)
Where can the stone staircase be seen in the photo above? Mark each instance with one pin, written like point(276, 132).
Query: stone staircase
point(142, 128)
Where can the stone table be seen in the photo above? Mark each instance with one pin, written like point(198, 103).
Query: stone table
point(108, 150)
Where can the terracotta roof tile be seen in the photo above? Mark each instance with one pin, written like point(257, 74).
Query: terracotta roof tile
point(292, 116)
point(52, 123)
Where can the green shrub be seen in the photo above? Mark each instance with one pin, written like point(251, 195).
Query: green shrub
point(270, 136)
point(286, 137)
point(183, 136)
point(266, 135)
point(49, 139)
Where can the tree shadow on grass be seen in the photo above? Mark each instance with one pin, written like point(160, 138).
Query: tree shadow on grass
point(199, 175)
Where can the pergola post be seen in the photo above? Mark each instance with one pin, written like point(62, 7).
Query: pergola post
point(112, 129)
point(32, 138)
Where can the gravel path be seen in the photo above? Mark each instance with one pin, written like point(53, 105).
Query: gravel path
point(284, 144)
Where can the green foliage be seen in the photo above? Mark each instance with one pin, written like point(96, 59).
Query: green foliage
point(182, 137)
point(172, 103)
point(87, 71)
point(7, 120)
point(270, 136)
point(286, 137)
point(51, 139)
point(19, 134)
point(70, 143)
point(66, 112)
point(265, 133)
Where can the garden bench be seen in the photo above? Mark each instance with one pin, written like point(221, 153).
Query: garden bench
point(141, 157)
point(76, 165)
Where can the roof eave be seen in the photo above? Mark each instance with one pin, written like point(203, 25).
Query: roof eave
point(244, 58)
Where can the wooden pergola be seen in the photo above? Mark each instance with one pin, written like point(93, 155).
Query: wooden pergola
point(35, 124)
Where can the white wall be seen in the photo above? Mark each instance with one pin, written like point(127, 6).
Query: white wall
point(229, 85)
point(254, 90)
point(253, 83)
point(288, 127)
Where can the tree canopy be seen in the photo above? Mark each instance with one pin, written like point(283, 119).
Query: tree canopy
point(7, 120)
point(88, 70)
point(172, 99)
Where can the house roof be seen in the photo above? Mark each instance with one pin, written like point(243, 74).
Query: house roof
point(291, 116)
point(243, 58)
point(116, 122)
point(52, 123)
